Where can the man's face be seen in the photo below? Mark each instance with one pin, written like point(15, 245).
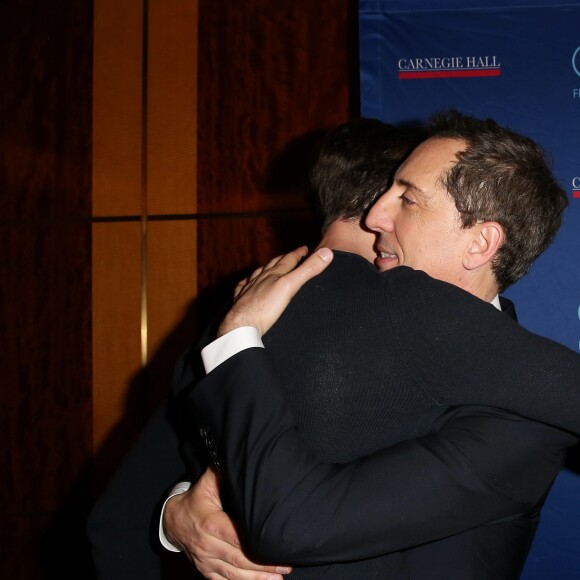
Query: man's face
point(416, 220)
point(361, 242)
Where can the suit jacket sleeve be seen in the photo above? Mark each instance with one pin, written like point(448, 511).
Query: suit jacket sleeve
point(186, 372)
point(126, 516)
point(483, 465)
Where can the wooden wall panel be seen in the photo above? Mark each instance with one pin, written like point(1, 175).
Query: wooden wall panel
point(171, 107)
point(116, 321)
point(45, 76)
point(45, 412)
point(269, 73)
point(45, 176)
point(171, 292)
point(117, 107)
point(46, 354)
point(230, 248)
point(118, 200)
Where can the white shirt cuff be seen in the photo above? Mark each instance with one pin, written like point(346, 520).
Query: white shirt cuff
point(178, 488)
point(231, 343)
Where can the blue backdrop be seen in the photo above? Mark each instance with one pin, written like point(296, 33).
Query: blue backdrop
point(518, 62)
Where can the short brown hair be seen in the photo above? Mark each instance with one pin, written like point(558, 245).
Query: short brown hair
point(355, 163)
point(503, 177)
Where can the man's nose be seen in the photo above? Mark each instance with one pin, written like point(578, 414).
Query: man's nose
point(381, 217)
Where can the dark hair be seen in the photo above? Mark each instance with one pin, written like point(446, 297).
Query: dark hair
point(354, 164)
point(503, 177)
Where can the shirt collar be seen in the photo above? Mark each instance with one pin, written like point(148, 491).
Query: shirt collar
point(496, 302)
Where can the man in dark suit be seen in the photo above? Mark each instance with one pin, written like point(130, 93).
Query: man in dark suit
point(457, 211)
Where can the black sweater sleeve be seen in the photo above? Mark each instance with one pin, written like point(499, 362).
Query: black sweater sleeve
point(463, 351)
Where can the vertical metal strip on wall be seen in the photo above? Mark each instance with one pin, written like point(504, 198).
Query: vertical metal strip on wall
point(144, 112)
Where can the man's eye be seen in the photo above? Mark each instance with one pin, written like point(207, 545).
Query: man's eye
point(405, 200)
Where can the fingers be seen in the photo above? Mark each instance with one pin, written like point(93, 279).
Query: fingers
point(229, 573)
point(217, 555)
point(279, 266)
point(240, 287)
point(286, 263)
point(291, 259)
point(311, 267)
point(209, 482)
point(195, 521)
point(258, 271)
point(282, 263)
point(221, 527)
point(234, 565)
point(288, 260)
point(294, 277)
point(260, 301)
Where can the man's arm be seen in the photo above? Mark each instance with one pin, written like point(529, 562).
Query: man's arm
point(250, 380)
point(482, 466)
point(202, 520)
point(120, 524)
point(125, 517)
point(458, 348)
point(521, 498)
point(211, 539)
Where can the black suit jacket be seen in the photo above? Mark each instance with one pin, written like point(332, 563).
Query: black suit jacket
point(422, 348)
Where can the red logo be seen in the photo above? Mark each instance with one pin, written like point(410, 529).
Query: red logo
point(449, 67)
point(449, 73)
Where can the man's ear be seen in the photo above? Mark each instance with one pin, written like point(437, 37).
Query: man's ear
point(486, 241)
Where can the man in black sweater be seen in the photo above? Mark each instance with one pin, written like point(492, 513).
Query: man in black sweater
point(353, 166)
point(311, 512)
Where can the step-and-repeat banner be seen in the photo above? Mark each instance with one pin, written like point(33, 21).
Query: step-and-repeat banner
point(518, 62)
